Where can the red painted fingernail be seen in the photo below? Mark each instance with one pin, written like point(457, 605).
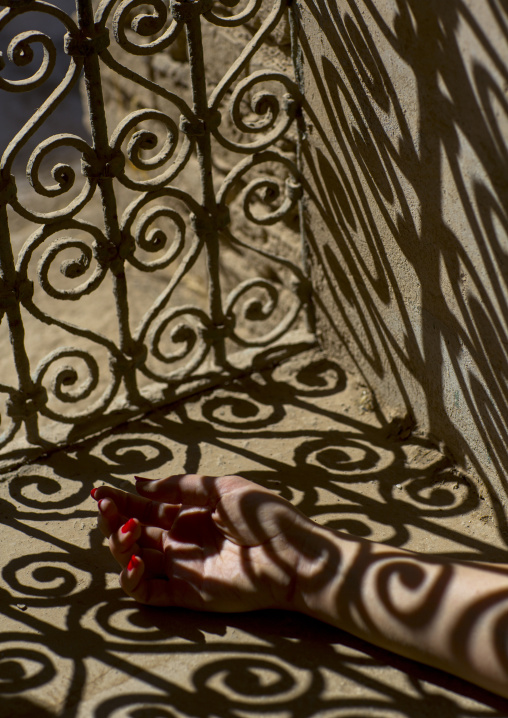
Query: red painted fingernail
point(92, 493)
point(132, 563)
point(142, 478)
point(128, 526)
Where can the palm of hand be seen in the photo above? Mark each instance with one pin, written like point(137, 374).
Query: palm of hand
point(229, 545)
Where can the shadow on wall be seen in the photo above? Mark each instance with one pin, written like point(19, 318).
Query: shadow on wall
point(407, 163)
point(71, 640)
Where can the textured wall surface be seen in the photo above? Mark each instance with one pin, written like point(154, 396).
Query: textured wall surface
point(406, 153)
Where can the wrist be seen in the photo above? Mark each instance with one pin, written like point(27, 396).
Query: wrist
point(325, 582)
point(318, 571)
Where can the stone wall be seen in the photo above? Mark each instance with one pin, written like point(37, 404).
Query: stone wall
point(406, 158)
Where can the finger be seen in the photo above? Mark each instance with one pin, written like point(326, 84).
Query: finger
point(109, 519)
point(152, 591)
point(122, 543)
point(151, 538)
point(190, 489)
point(154, 564)
point(146, 510)
point(135, 581)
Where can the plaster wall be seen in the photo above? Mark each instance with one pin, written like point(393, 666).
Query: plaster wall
point(406, 159)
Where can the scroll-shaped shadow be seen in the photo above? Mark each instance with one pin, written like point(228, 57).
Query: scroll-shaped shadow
point(406, 157)
point(71, 639)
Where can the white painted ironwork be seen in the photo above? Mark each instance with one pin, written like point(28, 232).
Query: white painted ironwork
point(100, 241)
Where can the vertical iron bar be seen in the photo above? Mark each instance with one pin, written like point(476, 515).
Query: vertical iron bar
point(15, 323)
point(204, 155)
point(296, 57)
point(101, 146)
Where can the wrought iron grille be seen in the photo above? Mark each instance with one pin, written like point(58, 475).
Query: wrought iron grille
point(168, 188)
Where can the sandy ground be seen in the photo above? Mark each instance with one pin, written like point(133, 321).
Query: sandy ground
point(74, 645)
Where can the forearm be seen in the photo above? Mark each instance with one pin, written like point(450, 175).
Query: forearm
point(451, 615)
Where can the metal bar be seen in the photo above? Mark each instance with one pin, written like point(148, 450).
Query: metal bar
point(263, 187)
point(23, 406)
point(296, 58)
point(107, 166)
point(209, 232)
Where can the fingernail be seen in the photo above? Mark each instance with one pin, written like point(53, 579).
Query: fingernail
point(128, 526)
point(132, 563)
point(92, 493)
point(99, 505)
point(142, 478)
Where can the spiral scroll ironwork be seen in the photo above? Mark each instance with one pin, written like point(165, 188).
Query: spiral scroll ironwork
point(142, 194)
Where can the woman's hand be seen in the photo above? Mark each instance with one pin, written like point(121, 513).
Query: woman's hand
point(226, 544)
point(203, 542)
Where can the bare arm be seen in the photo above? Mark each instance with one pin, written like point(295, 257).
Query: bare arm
point(451, 615)
point(226, 544)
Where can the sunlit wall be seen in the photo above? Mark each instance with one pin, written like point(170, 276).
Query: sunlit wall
point(407, 159)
